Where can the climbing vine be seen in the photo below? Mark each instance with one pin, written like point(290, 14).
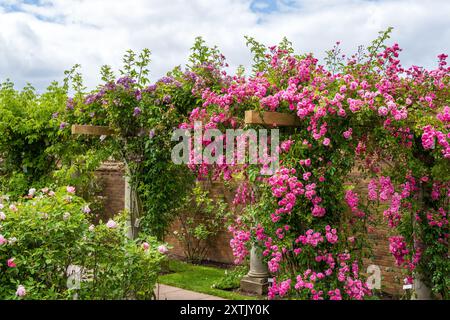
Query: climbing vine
point(365, 113)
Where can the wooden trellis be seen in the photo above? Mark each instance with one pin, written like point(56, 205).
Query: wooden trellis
point(271, 118)
point(92, 130)
point(131, 199)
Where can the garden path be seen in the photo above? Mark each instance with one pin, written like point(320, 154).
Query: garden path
point(165, 292)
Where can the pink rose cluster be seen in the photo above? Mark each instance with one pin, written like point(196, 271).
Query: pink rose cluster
point(352, 200)
point(429, 137)
point(288, 188)
point(398, 248)
point(239, 241)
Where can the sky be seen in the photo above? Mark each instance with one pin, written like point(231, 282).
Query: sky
point(39, 39)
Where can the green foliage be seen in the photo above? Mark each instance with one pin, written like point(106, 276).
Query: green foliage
point(232, 278)
point(31, 142)
point(200, 218)
point(49, 232)
point(199, 279)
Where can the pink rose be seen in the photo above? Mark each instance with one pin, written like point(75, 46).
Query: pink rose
point(11, 263)
point(21, 292)
point(111, 224)
point(383, 111)
point(70, 189)
point(145, 246)
point(86, 209)
point(13, 208)
point(2, 240)
point(326, 142)
point(163, 249)
point(348, 134)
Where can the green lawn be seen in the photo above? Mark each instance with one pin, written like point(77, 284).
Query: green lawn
point(198, 278)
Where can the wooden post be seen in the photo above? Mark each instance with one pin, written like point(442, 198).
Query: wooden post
point(132, 202)
point(91, 130)
point(276, 119)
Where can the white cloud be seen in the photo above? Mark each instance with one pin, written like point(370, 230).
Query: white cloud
point(38, 42)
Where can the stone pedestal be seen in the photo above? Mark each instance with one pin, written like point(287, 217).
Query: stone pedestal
point(421, 291)
point(256, 281)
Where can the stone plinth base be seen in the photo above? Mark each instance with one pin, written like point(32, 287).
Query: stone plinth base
point(254, 285)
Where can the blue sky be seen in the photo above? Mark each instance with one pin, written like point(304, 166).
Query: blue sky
point(40, 39)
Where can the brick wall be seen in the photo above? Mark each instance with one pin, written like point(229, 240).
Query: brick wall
point(111, 175)
point(378, 234)
point(219, 248)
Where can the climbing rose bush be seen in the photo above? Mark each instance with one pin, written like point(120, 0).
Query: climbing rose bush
point(365, 111)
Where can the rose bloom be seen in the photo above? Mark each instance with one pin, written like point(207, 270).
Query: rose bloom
point(21, 292)
point(2, 216)
point(145, 246)
point(11, 263)
point(383, 111)
point(86, 209)
point(111, 224)
point(326, 142)
point(70, 189)
point(91, 228)
point(163, 249)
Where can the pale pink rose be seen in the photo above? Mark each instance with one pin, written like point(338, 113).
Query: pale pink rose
point(21, 292)
point(44, 190)
point(2, 240)
point(145, 246)
point(31, 192)
point(2, 216)
point(383, 111)
point(1, 206)
point(163, 249)
point(111, 224)
point(86, 209)
point(13, 208)
point(70, 189)
point(91, 228)
point(11, 263)
point(51, 193)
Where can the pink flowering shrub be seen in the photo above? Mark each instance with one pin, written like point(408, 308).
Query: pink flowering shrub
point(366, 109)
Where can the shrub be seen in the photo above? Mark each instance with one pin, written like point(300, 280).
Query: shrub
point(47, 234)
point(200, 218)
point(232, 278)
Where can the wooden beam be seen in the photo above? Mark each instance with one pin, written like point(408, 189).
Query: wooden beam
point(271, 118)
point(91, 130)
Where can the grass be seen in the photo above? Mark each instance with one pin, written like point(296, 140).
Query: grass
point(199, 279)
